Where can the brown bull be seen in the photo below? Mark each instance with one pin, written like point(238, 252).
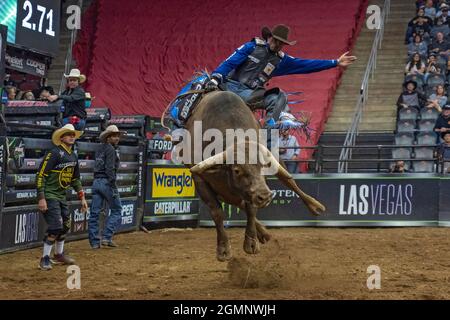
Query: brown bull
point(241, 185)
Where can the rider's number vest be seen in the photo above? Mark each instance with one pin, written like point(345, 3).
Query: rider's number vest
point(258, 67)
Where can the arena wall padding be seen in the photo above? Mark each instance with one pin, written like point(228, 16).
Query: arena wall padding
point(353, 200)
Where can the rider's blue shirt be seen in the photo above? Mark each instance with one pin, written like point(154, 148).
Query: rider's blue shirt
point(288, 65)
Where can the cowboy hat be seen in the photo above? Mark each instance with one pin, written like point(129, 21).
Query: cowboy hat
point(68, 128)
point(410, 81)
point(281, 32)
point(75, 73)
point(112, 129)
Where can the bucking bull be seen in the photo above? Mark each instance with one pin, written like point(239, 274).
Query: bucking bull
point(241, 185)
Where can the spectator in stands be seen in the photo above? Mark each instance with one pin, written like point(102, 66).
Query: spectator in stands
point(89, 99)
point(45, 92)
point(420, 4)
point(440, 46)
point(443, 150)
point(414, 22)
point(8, 82)
point(430, 10)
point(12, 92)
point(443, 121)
point(418, 46)
point(432, 67)
point(420, 27)
point(443, 13)
point(447, 73)
point(415, 66)
point(420, 14)
point(440, 26)
point(399, 167)
point(74, 100)
point(28, 95)
point(410, 97)
point(438, 99)
point(104, 188)
point(288, 155)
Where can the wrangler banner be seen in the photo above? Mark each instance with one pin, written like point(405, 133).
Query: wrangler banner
point(170, 194)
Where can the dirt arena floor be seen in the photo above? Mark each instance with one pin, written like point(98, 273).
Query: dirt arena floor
point(298, 263)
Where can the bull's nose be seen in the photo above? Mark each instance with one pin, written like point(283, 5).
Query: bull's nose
point(263, 199)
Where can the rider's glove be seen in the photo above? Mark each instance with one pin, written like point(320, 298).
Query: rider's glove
point(212, 84)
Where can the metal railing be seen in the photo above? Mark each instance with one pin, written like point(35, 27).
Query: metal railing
point(352, 132)
point(317, 164)
point(68, 60)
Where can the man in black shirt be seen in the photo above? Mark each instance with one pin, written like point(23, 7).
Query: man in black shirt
point(440, 46)
point(74, 99)
point(443, 121)
point(104, 188)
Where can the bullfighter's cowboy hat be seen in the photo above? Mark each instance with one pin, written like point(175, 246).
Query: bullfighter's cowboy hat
point(68, 128)
point(112, 129)
point(75, 73)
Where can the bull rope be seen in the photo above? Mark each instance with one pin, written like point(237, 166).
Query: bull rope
point(198, 73)
point(177, 97)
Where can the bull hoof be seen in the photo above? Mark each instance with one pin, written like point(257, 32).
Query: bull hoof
point(223, 252)
point(316, 207)
point(251, 245)
point(263, 237)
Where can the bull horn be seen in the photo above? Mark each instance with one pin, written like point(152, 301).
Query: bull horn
point(210, 162)
point(285, 177)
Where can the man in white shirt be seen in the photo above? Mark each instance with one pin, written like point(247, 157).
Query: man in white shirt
point(285, 141)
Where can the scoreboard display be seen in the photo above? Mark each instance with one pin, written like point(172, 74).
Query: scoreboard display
point(32, 24)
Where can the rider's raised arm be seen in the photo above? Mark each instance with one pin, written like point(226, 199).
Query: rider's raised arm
point(236, 59)
point(291, 65)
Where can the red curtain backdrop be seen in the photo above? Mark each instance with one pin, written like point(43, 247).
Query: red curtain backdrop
point(137, 54)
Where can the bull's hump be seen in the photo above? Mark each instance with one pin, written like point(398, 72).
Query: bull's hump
point(229, 107)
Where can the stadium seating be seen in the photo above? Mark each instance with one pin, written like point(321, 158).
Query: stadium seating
point(401, 153)
point(423, 166)
point(426, 138)
point(436, 80)
point(429, 114)
point(426, 125)
point(406, 126)
point(404, 138)
point(424, 152)
point(408, 114)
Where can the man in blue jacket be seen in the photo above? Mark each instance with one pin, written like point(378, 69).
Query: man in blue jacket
point(249, 68)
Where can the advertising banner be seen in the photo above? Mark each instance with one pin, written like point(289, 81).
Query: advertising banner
point(444, 202)
point(26, 61)
point(21, 227)
point(24, 226)
point(351, 200)
point(170, 193)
